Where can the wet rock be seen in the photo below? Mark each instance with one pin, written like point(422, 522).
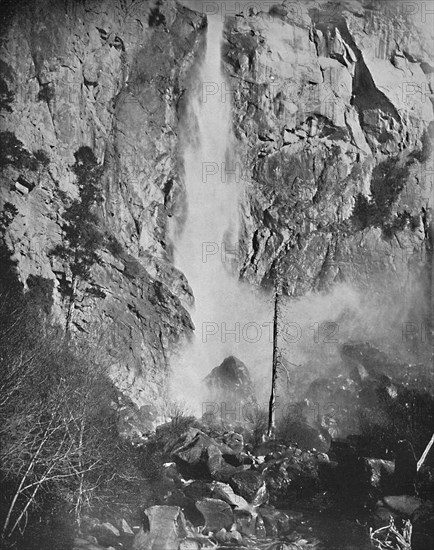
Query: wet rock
point(276, 523)
point(167, 528)
point(225, 492)
point(201, 456)
point(250, 485)
point(217, 513)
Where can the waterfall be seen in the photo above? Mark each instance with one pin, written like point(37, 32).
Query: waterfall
point(229, 317)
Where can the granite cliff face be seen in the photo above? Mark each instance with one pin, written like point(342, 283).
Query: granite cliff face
point(333, 107)
point(333, 114)
point(110, 76)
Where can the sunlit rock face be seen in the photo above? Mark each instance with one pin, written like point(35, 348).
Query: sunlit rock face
point(332, 114)
point(111, 76)
point(332, 106)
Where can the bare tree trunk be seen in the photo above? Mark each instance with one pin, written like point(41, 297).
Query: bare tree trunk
point(19, 490)
point(275, 366)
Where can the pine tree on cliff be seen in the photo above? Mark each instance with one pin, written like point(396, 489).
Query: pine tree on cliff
point(81, 233)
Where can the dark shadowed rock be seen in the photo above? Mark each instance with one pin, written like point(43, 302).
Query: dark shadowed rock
point(217, 513)
point(293, 477)
point(229, 387)
point(250, 485)
point(405, 467)
point(302, 434)
point(403, 504)
point(276, 523)
point(197, 490)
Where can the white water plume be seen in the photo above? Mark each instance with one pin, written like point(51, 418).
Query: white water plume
point(230, 318)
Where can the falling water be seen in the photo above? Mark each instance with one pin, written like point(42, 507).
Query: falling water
point(229, 318)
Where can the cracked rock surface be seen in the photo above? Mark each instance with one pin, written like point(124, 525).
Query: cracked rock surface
point(333, 110)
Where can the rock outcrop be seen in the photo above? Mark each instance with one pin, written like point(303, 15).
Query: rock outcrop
point(229, 384)
point(110, 76)
point(333, 113)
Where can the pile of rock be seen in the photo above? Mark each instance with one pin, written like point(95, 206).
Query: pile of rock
point(218, 493)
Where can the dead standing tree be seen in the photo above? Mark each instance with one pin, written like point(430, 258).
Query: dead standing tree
point(276, 362)
point(280, 364)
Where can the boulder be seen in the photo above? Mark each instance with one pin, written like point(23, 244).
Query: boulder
point(225, 492)
point(217, 513)
point(219, 466)
point(304, 435)
point(221, 535)
point(250, 485)
point(234, 537)
point(197, 489)
point(276, 523)
point(249, 524)
point(167, 528)
point(229, 388)
point(200, 456)
point(293, 477)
